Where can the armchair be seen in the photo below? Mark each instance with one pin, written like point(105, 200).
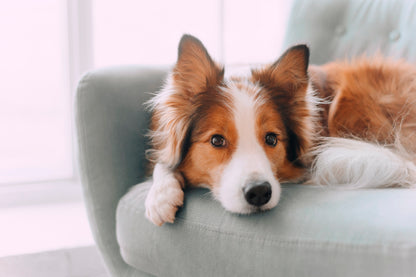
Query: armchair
point(314, 231)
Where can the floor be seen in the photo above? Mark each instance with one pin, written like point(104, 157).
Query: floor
point(44, 227)
point(46, 237)
point(77, 262)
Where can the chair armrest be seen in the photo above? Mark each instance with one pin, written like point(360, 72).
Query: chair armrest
point(110, 125)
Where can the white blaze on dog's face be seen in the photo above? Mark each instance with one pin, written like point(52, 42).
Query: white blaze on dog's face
point(237, 137)
point(248, 181)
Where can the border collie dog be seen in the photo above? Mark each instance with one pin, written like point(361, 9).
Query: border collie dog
point(350, 124)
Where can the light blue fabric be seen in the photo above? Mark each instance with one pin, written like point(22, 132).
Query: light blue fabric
point(312, 232)
point(337, 29)
point(110, 124)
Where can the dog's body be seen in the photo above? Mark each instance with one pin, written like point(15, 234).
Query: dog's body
point(341, 123)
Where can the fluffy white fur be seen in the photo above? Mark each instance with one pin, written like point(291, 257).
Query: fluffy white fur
point(164, 196)
point(171, 152)
point(357, 164)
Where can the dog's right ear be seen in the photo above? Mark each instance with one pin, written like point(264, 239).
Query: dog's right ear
point(195, 71)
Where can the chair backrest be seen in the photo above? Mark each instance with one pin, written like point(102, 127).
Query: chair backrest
point(338, 29)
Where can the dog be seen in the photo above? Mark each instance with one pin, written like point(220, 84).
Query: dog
point(351, 124)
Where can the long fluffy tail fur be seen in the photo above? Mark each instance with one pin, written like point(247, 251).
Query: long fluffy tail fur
point(357, 164)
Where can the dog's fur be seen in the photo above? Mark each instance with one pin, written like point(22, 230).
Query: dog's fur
point(343, 123)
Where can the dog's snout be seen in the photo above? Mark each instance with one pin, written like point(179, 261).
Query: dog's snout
point(258, 194)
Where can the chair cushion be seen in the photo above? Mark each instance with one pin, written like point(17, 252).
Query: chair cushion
point(314, 231)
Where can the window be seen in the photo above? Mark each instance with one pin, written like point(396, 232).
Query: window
point(46, 44)
point(35, 97)
point(235, 32)
point(147, 32)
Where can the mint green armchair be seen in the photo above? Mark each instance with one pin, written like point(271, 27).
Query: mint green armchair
point(314, 231)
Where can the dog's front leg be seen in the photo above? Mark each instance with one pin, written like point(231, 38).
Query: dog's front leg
point(165, 195)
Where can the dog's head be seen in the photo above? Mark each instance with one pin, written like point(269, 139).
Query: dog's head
point(240, 136)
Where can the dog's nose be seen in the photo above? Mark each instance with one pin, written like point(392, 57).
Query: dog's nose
point(258, 194)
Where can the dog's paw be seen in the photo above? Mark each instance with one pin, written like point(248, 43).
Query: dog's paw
point(163, 200)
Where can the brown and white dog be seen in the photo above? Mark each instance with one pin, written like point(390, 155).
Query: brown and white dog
point(343, 123)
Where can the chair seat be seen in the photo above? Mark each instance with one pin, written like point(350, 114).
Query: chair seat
point(314, 231)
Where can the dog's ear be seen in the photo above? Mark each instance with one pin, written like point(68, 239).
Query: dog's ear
point(289, 73)
point(195, 71)
point(287, 81)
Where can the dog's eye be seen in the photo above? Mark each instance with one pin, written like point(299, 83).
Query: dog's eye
point(218, 141)
point(271, 139)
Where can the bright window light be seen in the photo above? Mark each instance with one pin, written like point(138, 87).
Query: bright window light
point(42, 56)
point(148, 32)
point(34, 100)
point(254, 32)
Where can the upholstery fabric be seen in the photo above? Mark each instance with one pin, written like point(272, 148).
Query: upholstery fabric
point(349, 28)
point(110, 126)
point(314, 231)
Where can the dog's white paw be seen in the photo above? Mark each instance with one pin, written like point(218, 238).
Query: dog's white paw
point(163, 200)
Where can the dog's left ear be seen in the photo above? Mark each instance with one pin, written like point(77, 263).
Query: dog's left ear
point(289, 73)
point(287, 81)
